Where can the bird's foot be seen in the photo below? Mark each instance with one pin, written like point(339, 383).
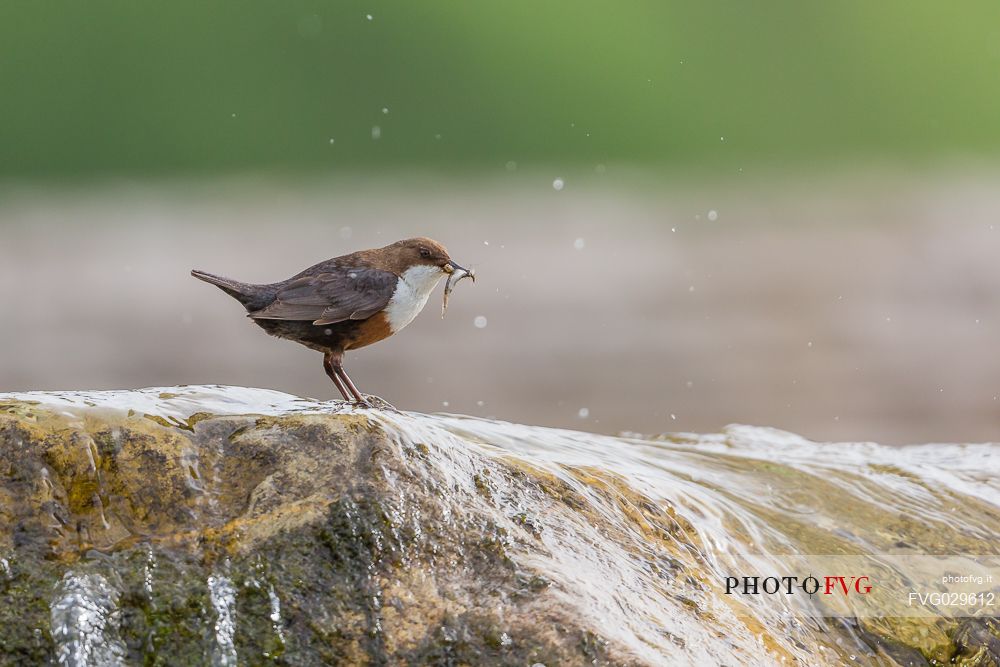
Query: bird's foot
point(375, 403)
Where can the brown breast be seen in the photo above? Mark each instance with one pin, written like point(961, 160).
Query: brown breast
point(372, 330)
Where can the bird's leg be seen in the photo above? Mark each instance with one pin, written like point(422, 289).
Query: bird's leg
point(350, 385)
point(331, 362)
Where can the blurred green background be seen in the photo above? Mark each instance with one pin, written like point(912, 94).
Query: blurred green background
point(682, 215)
point(148, 88)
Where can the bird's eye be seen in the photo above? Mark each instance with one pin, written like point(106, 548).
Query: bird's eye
point(424, 252)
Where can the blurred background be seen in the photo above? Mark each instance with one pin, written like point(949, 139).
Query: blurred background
point(682, 214)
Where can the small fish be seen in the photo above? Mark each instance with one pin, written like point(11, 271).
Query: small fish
point(453, 279)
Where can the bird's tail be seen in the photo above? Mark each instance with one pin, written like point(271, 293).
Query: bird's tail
point(247, 294)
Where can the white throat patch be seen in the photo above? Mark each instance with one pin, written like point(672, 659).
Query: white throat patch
point(412, 290)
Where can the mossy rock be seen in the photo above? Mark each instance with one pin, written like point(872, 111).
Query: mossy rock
point(361, 537)
point(318, 537)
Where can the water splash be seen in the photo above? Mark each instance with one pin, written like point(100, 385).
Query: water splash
point(276, 613)
point(222, 594)
point(85, 616)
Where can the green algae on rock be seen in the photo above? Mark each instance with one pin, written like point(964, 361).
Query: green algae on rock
point(197, 525)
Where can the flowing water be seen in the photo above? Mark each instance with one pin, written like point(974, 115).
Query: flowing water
point(655, 527)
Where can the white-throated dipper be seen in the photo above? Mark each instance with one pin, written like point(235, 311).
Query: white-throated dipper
point(348, 302)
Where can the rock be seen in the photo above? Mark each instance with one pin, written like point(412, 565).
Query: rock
point(228, 526)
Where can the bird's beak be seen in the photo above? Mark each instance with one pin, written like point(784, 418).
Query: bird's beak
point(451, 267)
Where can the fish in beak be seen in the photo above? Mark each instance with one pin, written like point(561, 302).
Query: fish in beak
point(455, 274)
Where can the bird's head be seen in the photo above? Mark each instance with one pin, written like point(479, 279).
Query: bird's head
point(421, 251)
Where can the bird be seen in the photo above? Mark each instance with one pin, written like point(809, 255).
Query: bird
point(347, 302)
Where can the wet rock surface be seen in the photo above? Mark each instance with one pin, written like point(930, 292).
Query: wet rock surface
point(228, 526)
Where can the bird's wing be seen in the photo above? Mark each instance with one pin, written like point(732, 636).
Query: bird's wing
point(328, 298)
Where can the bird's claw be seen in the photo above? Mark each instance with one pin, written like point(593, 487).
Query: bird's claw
point(375, 403)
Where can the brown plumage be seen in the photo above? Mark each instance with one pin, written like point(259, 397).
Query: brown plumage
point(347, 302)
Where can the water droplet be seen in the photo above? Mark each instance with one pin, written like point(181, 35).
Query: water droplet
point(445, 403)
point(583, 413)
point(558, 184)
point(510, 166)
point(479, 322)
point(480, 403)
point(673, 416)
point(332, 141)
point(385, 110)
point(369, 17)
point(713, 215)
point(579, 244)
point(376, 132)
